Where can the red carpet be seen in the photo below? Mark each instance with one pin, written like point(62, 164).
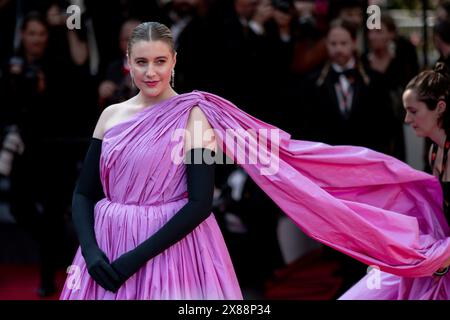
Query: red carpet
point(309, 278)
point(20, 282)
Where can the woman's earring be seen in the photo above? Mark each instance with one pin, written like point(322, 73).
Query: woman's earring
point(172, 80)
point(132, 80)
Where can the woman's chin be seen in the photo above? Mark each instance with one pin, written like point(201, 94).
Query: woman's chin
point(419, 133)
point(151, 92)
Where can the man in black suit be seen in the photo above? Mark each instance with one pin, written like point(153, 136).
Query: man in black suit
point(346, 104)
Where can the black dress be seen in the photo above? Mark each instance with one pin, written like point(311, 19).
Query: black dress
point(446, 191)
point(445, 185)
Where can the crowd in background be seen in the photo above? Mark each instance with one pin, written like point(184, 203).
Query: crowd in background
point(288, 63)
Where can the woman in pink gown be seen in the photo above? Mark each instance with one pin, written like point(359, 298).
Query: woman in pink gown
point(365, 204)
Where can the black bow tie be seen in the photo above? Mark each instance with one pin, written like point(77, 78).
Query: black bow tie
point(349, 74)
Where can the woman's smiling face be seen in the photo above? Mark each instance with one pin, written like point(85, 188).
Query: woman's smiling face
point(151, 64)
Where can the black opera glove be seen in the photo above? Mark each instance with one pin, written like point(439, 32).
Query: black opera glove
point(99, 268)
point(87, 193)
point(200, 186)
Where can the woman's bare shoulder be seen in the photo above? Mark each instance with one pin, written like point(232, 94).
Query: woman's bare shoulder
point(206, 137)
point(107, 114)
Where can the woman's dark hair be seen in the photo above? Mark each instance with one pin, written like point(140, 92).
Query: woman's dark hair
point(389, 22)
point(33, 16)
point(346, 25)
point(432, 86)
point(151, 31)
point(29, 17)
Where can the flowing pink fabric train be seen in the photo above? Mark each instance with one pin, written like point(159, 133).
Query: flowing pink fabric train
point(365, 204)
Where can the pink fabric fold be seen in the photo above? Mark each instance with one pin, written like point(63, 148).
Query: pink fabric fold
point(365, 204)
